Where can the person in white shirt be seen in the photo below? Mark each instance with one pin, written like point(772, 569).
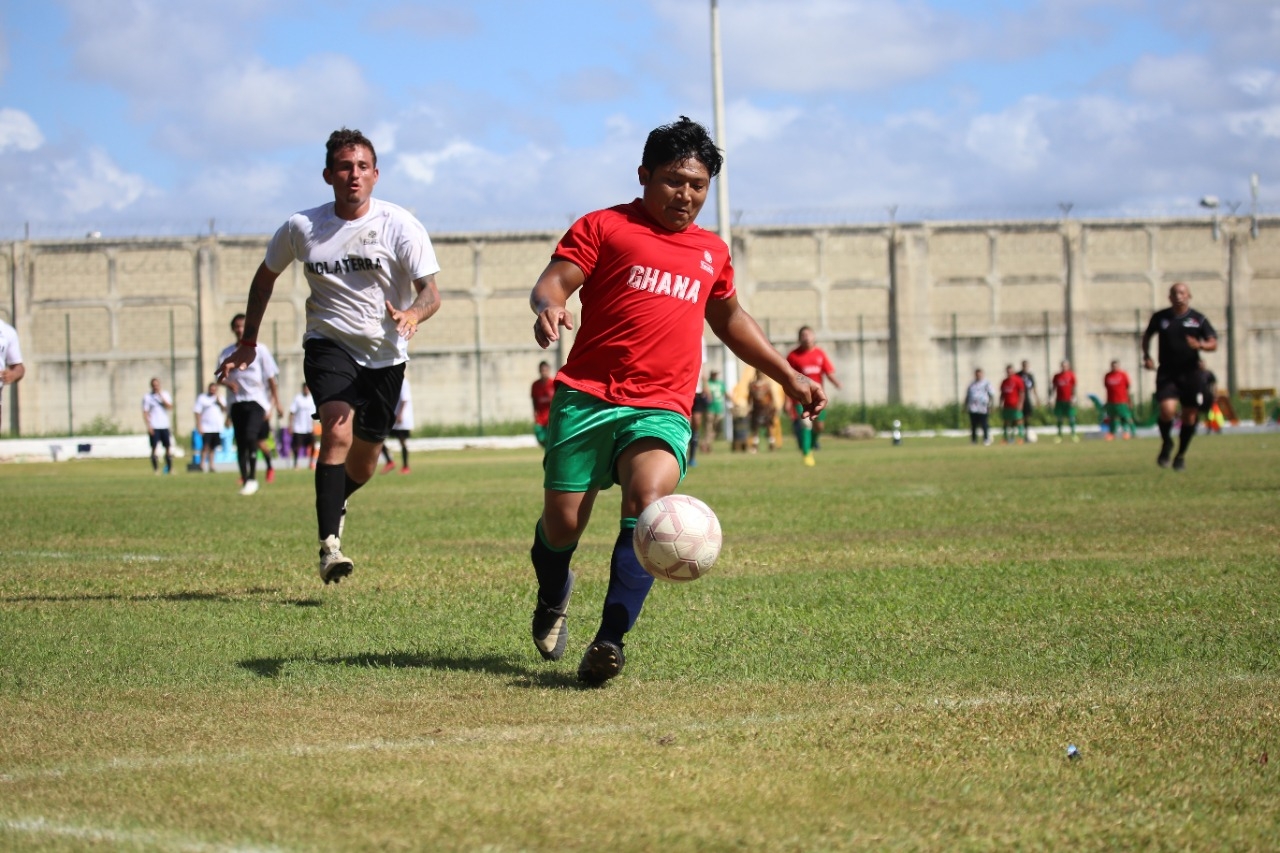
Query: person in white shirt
point(400, 431)
point(371, 269)
point(155, 413)
point(211, 416)
point(301, 411)
point(253, 394)
point(978, 401)
point(11, 367)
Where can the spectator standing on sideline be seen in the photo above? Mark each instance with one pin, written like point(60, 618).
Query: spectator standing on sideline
point(400, 430)
point(253, 394)
point(11, 366)
point(301, 420)
point(1208, 396)
point(809, 359)
point(544, 388)
point(1063, 389)
point(1118, 411)
point(714, 390)
point(371, 269)
point(649, 280)
point(978, 399)
point(1012, 395)
point(1030, 393)
point(1183, 333)
point(211, 416)
point(156, 406)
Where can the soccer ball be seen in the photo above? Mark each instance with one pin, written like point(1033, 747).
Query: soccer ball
point(1032, 438)
point(677, 538)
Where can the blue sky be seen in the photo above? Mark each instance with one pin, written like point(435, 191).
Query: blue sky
point(137, 117)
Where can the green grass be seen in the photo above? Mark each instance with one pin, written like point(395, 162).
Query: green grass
point(893, 652)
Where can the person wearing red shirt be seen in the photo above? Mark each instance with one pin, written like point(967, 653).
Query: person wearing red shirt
point(649, 279)
point(1012, 394)
point(810, 360)
point(1119, 414)
point(1064, 400)
point(544, 387)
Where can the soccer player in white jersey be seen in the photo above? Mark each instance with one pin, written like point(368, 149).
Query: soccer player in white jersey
point(11, 367)
point(371, 269)
point(211, 414)
point(300, 418)
point(155, 413)
point(400, 431)
point(253, 393)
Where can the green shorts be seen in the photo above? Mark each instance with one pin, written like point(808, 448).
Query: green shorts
point(1119, 412)
point(586, 435)
point(1011, 414)
point(1064, 410)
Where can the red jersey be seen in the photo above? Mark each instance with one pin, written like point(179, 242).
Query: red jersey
point(1117, 382)
point(542, 392)
point(1064, 386)
point(644, 305)
point(1012, 392)
point(813, 364)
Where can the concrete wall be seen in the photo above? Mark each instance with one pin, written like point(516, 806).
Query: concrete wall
point(906, 311)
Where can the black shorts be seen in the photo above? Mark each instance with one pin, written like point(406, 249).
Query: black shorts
point(372, 392)
point(1187, 388)
point(211, 441)
point(249, 420)
point(699, 403)
point(402, 434)
point(302, 440)
point(160, 437)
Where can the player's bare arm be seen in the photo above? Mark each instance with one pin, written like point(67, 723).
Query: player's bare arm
point(550, 297)
point(1207, 345)
point(423, 308)
point(742, 334)
point(264, 282)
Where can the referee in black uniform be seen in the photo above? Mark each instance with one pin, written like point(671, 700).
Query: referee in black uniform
point(1184, 333)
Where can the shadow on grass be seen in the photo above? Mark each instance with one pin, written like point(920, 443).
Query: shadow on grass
point(232, 597)
point(492, 664)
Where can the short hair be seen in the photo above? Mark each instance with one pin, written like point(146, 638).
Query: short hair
point(543, 364)
point(345, 137)
point(679, 141)
point(234, 319)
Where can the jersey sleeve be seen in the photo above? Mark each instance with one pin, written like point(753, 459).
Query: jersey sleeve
point(580, 245)
point(1206, 329)
point(723, 287)
point(12, 353)
point(269, 368)
point(414, 250)
point(280, 249)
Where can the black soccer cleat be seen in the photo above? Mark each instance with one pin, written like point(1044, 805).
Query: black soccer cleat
point(1179, 463)
point(1166, 450)
point(603, 660)
point(550, 626)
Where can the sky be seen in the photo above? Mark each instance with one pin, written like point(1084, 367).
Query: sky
point(157, 117)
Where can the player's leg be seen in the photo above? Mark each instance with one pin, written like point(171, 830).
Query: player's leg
point(404, 451)
point(265, 447)
point(804, 429)
point(167, 440)
point(388, 464)
point(154, 440)
point(1189, 400)
point(1167, 393)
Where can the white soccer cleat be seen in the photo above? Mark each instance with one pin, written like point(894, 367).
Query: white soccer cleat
point(249, 488)
point(333, 565)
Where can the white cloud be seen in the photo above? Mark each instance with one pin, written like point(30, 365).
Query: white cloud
point(96, 183)
point(18, 131)
point(1012, 139)
point(749, 123)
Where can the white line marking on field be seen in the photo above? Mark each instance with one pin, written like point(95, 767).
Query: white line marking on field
point(91, 555)
point(131, 837)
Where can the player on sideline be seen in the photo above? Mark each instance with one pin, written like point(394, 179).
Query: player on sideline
point(809, 359)
point(648, 277)
point(541, 392)
point(1012, 395)
point(301, 417)
point(211, 415)
point(400, 430)
point(1119, 415)
point(252, 395)
point(1063, 388)
point(1184, 333)
point(1030, 394)
point(11, 366)
point(371, 269)
point(156, 406)
point(978, 398)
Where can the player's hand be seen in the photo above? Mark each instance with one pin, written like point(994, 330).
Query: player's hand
point(546, 329)
point(1194, 342)
point(406, 321)
point(808, 396)
point(1148, 363)
point(238, 360)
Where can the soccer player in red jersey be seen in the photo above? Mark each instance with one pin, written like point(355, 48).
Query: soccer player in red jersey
point(544, 387)
point(1119, 414)
point(648, 279)
point(1064, 400)
point(809, 359)
point(1012, 394)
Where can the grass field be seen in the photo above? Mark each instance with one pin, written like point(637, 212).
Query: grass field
point(894, 652)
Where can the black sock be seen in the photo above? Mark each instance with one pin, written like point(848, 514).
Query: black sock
point(386, 454)
point(1185, 435)
point(404, 455)
point(551, 567)
point(155, 465)
point(329, 498)
point(1166, 432)
point(350, 485)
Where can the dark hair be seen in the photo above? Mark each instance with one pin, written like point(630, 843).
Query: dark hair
point(233, 321)
point(345, 138)
point(677, 142)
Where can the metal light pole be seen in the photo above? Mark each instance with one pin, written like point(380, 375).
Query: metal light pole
point(722, 182)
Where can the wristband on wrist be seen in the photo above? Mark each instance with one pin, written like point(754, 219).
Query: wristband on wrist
point(248, 342)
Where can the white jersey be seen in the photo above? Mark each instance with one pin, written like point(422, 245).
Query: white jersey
point(979, 397)
point(156, 408)
point(404, 420)
point(10, 353)
point(302, 408)
point(251, 383)
point(209, 410)
point(354, 268)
